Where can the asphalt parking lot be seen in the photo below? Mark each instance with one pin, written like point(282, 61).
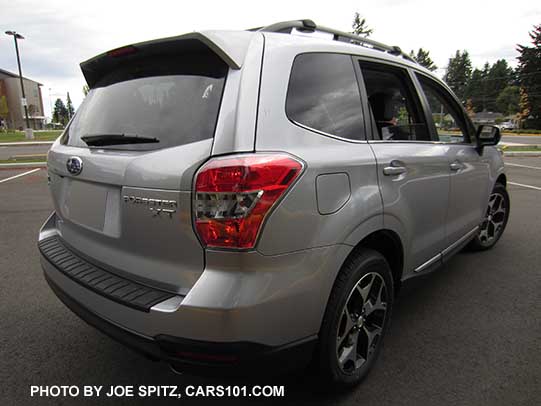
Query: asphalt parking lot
point(469, 334)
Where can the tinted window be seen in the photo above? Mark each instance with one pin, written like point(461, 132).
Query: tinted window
point(324, 95)
point(394, 107)
point(175, 101)
point(447, 116)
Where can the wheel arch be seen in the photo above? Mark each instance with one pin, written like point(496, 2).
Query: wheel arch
point(502, 179)
point(388, 244)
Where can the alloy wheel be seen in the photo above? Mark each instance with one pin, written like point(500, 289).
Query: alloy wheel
point(361, 322)
point(493, 223)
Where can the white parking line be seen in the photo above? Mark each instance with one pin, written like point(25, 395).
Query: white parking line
point(522, 166)
point(527, 186)
point(19, 175)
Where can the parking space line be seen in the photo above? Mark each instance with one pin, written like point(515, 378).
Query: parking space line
point(522, 166)
point(527, 186)
point(19, 175)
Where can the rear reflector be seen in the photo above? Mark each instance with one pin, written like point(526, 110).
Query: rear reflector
point(207, 357)
point(233, 196)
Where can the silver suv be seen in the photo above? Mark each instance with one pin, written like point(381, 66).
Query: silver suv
point(257, 198)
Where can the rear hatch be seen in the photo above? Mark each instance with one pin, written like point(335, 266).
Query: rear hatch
point(142, 131)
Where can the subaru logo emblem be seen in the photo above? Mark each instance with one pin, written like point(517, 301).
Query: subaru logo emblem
point(74, 165)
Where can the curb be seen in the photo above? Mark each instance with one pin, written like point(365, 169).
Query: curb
point(25, 143)
point(23, 165)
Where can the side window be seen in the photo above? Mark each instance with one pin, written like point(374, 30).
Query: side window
point(323, 95)
point(448, 118)
point(393, 104)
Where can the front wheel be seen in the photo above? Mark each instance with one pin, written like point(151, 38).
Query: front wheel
point(356, 319)
point(495, 220)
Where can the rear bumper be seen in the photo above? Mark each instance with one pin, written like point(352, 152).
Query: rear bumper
point(244, 306)
point(197, 356)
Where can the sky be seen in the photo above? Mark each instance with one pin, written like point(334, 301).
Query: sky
point(60, 34)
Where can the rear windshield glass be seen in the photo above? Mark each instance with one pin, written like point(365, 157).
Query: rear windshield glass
point(172, 100)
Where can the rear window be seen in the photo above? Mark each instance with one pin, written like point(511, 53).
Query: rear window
point(324, 95)
point(175, 100)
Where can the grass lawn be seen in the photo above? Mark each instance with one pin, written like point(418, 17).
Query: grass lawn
point(25, 160)
point(16, 136)
point(525, 148)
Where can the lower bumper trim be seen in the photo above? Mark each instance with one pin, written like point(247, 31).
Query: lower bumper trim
point(199, 357)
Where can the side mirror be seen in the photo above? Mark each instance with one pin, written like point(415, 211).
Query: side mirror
point(487, 135)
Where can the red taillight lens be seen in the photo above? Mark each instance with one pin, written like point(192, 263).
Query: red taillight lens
point(233, 196)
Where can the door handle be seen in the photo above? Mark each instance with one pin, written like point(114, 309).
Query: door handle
point(456, 166)
point(394, 169)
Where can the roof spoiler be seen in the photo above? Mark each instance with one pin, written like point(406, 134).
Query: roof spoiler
point(230, 46)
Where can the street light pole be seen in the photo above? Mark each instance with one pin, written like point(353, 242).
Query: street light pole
point(16, 36)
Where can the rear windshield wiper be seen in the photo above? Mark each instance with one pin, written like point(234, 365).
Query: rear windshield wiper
point(97, 140)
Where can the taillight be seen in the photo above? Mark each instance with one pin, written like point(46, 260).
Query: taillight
point(234, 194)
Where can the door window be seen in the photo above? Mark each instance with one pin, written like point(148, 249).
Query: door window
point(448, 117)
point(393, 104)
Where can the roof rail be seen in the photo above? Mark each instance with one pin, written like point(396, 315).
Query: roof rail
point(310, 26)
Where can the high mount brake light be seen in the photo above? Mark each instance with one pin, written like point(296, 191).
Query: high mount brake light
point(233, 196)
point(123, 51)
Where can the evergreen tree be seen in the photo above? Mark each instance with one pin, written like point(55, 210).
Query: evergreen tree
point(475, 90)
point(69, 107)
point(60, 112)
point(529, 76)
point(423, 58)
point(458, 73)
point(359, 26)
point(499, 76)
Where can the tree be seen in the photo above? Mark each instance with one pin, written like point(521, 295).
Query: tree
point(499, 76)
point(524, 105)
point(529, 76)
point(469, 108)
point(69, 107)
point(32, 110)
point(4, 110)
point(86, 89)
point(475, 89)
point(458, 73)
point(60, 112)
point(508, 100)
point(359, 26)
point(423, 58)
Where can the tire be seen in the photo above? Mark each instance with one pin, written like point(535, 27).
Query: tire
point(345, 356)
point(494, 222)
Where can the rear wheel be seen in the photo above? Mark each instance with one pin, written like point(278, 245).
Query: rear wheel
point(495, 220)
point(356, 319)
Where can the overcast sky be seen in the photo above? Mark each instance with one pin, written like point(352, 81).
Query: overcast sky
point(60, 34)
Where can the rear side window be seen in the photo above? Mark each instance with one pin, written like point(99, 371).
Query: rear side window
point(173, 99)
point(393, 104)
point(323, 95)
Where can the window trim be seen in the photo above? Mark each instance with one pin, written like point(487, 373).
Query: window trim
point(450, 98)
point(361, 101)
point(410, 87)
